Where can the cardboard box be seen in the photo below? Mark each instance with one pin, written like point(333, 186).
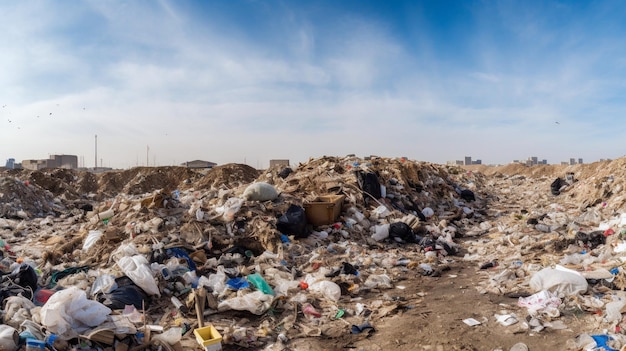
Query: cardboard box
point(209, 338)
point(324, 209)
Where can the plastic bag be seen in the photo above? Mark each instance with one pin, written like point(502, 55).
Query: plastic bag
point(138, 270)
point(330, 290)
point(560, 280)
point(125, 293)
point(381, 232)
point(216, 281)
point(17, 310)
point(170, 337)
point(25, 276)
point(543, 302)
point(92, 238)
point(230, 208)
point(293, 222)
point(103, 284)
point(69, 312)
point(260, 192)
point(378, 281)
point(368, 182)
point(255, 302)
point(401, 232)
point(613, 310)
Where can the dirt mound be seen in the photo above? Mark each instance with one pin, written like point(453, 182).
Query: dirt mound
point(87, 183)
point(141, 180)
point(21, 199)
point(231, 175)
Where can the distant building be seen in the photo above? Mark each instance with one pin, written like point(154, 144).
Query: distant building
point(544, 162)
point(65, 161)
point(572, 161)
point(10, 163)
point(199, 164)
point(274, 163)
point(55, 161)
point(36, 165)
point(468, 160)
point(580, 161)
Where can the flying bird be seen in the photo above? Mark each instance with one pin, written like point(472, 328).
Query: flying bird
point(557, 122)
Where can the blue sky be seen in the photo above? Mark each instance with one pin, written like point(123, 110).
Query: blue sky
point(250, 81)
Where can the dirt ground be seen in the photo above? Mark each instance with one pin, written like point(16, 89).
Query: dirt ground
point(432, 315)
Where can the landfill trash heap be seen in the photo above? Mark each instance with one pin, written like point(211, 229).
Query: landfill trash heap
point(173, 258)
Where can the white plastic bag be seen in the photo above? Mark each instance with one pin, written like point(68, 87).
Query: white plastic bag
point(170, 337)
point(138, 270)
point(17, 310)
point(260, 192)
point(613, 310)
point(255, 302)
point(381, 232)
point(69, 312)
point(378, 281)
point(92, 238)
point(561, 280)
point(230, 208)
point(543, 302)
point(216, 281)
point(104, 283)
point(330, 290)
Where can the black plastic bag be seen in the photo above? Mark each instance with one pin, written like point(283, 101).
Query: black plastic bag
point(468, 195)
point(556, 185)
point(368, 181)
point(293, 222)
point(400, 231)
point(285, 172)
point(591, 240)
point(25, 276)
point(21, 281)
point(126, 293)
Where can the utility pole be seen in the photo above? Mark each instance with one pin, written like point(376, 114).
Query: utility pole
point(95, 165)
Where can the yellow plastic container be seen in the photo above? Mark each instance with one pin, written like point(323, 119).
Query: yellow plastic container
point(209, 338)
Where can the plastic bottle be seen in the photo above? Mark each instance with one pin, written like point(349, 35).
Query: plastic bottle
point(102, 216)
point(35, 345)
point(55, 343)
point(178, 304)
point(260, 283)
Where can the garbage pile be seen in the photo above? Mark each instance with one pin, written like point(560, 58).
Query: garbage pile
point(234, 258)
point(169, 258)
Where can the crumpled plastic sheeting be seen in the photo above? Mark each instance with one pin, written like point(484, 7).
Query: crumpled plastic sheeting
point(255, 302)
point(137, 269)
point(541, 303)
point(17, 310)
point(560, 280)
point(69, 312)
